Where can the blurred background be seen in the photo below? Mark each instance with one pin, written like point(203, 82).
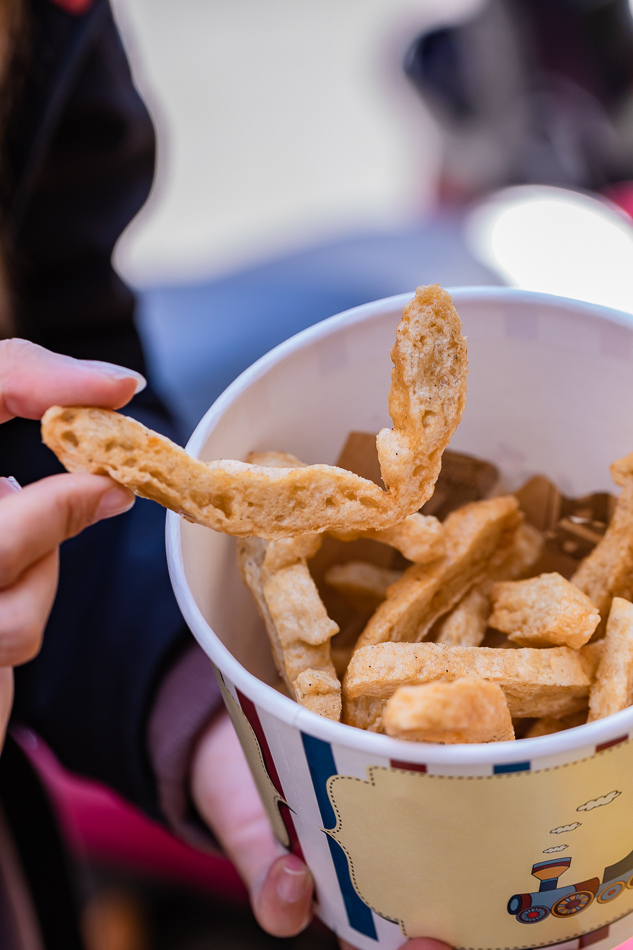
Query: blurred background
point(315, 156)
point(312, 157)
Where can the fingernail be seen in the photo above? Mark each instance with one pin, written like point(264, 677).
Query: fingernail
point(292, 883)
point(118, 372)
point(114, 502)
point(9, 484)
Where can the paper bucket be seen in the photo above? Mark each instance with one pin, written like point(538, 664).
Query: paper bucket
point(523, 844)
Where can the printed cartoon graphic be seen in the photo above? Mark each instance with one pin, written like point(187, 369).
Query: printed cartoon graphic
point(597, 802)
point(408, 861)
point(571, 899)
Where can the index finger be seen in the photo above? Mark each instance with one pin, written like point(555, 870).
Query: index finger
point(33, 378)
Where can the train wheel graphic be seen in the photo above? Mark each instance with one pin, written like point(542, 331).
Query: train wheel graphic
point(610, 893)
point(572, 903)
point(532, 915)
point(629, 883)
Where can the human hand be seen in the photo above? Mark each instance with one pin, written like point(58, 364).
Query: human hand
point(279, 884)
point(35, 520)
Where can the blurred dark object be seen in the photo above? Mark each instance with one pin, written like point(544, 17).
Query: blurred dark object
point(531, 91)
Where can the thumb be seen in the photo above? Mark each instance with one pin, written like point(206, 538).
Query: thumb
point(37, 519)
point(280, 886)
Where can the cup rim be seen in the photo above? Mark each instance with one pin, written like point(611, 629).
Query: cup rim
point(616, 726)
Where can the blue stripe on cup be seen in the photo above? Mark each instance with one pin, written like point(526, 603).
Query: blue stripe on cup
point(321, 765)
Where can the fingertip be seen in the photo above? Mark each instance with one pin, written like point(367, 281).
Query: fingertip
point(425, 943)
point(283, 906)
point(116, 501)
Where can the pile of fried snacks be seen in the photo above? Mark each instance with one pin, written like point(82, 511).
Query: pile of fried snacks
point(433, 609)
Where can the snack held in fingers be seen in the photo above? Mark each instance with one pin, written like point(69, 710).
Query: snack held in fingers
point(426, 401)
point(465, 710)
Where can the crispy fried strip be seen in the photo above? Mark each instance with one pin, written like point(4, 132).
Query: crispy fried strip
point(427, 395)
point(426, 401)
point(473, 536)
point(466, 624)
point(294, 656)
point(607, 572)
point(544, 610)
point(536, 682)
point(363, 584)
point(296, 622)
point(612, 689)
point(465, 710)
point(419, 538)
point(547, 725)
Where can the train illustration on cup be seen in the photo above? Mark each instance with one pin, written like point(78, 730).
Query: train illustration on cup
point(571, 899)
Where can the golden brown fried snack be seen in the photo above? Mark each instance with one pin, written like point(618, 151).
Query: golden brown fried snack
point(426, 401)
point(536, 682)
point(473, 535)
point(544, 610)
point(612, 689)
point(296, 622)
point(547, 725)
point(466, 624)
point(363, 584)
point(607, 572)
point(427, 395)
point(419, 538)
point(320, 690)
point(464, 710)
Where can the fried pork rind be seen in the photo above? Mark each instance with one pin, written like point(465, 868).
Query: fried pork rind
point(465, 710)
point(607, 572)
point(466, 624)
point(547, 725)
point(419, 538)
point(543, 611)
point(426, 401)
point(320, 689)
point(427, 395)
point(536, 682)
point(473, 535)
point(612, 689)
point(363, 584)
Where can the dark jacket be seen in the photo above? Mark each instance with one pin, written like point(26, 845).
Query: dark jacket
point(78, 166)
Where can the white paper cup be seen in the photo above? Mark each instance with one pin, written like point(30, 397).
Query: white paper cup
point(515, 844)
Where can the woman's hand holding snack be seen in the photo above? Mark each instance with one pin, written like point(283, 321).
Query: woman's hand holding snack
point(35, 520)
point(279, 884)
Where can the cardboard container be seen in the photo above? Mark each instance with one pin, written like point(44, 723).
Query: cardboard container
point(522, 844)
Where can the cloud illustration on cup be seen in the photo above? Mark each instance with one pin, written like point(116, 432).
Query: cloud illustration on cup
point(597, 802)
point(562, 828)
point(560, 847)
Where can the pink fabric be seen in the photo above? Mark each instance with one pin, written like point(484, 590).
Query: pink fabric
point(77, 7)
point(621, 195)
point(101, 826)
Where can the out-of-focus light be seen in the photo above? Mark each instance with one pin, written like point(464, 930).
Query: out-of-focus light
point(558, 242)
